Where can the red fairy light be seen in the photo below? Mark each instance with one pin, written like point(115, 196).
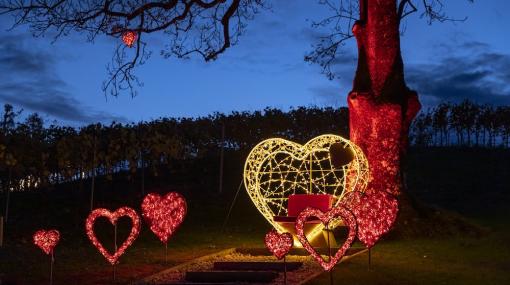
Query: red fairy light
point(129, 38)
point(113, 217)
point(278, 244)
point(339, 211)
point(375, 214)
point(377, 129)
point(46, 240)
point(164, 214)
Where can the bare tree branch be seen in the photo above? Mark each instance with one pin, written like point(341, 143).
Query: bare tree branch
point(403, 12)
point(339, 25)
point(336, 29)
point(433, 11)
point(204, 27)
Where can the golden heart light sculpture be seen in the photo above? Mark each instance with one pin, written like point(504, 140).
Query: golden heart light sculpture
point(277, 168)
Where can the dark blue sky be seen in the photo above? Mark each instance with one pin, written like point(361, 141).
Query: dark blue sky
point(444, 62)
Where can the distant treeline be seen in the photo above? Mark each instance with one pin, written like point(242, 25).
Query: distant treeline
point(465, 124)
point(32, 154)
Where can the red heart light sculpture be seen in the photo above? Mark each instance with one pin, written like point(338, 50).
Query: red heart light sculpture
point(164, 214)
point(375, 213)
point(339, 211)
point(278, 244)
point(113, 217)
point(46, 240)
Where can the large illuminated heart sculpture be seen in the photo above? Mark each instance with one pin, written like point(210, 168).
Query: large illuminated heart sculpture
point(113, 217)
point(46, 240)
point(277, 168)
point(164, 214)
point(338, 212)
point(278, 244)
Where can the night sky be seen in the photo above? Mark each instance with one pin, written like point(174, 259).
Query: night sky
point(443, 61)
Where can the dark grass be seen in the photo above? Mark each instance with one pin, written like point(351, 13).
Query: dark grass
point(452, 260)
point(473, 183)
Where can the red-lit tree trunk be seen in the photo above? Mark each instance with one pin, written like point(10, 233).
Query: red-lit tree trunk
point(381, 106)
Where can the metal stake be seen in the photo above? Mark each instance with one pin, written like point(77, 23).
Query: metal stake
point(115, 242)
point(52, 260)
point(329, 249)
point(166, 252)
point(113, 273)
point(222, 159)
point(284, 270)
point(231, 206)
point(369, 258)
point(1, 231)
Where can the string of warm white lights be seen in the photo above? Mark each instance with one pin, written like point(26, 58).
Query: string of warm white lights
point(277, 168)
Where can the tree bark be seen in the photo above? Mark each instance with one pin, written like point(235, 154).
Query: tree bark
point(381, 106)
point(381, 109)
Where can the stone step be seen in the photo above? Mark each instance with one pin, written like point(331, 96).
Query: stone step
point(297, 251)
point(230, 276)
point(256, 266)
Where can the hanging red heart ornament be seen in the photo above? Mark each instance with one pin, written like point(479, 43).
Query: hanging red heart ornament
point(46, 240)
point(278, 244)
point(164, 214)
point(375, 214)
point(129, 37)
point(113, 217)
point(339, 211)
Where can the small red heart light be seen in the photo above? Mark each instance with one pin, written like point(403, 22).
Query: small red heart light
point(278, 244)
point(113, 217)
point(46, 240)
point(348, 219)
point(375, 214)
point(164, 214)
point(129, 37)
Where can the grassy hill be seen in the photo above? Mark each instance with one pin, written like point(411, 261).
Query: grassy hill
point(471, 182)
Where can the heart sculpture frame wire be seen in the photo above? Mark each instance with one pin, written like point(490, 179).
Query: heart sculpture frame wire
point(278, 244)
point(348, 219)
point(113, 217)
point(46, 240)
point(277, 168)
point(164, 214)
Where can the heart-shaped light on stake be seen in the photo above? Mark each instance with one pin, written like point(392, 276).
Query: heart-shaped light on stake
point(278, 244)
point(164, 214)
point(337, 212)
point(277, 168)
point(113, 217)
point(46, 240)
point(375, 212)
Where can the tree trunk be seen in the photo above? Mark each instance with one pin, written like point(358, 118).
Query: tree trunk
point(142, 186)
point(381, 106)
point(8, 195)
point(93, 183)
